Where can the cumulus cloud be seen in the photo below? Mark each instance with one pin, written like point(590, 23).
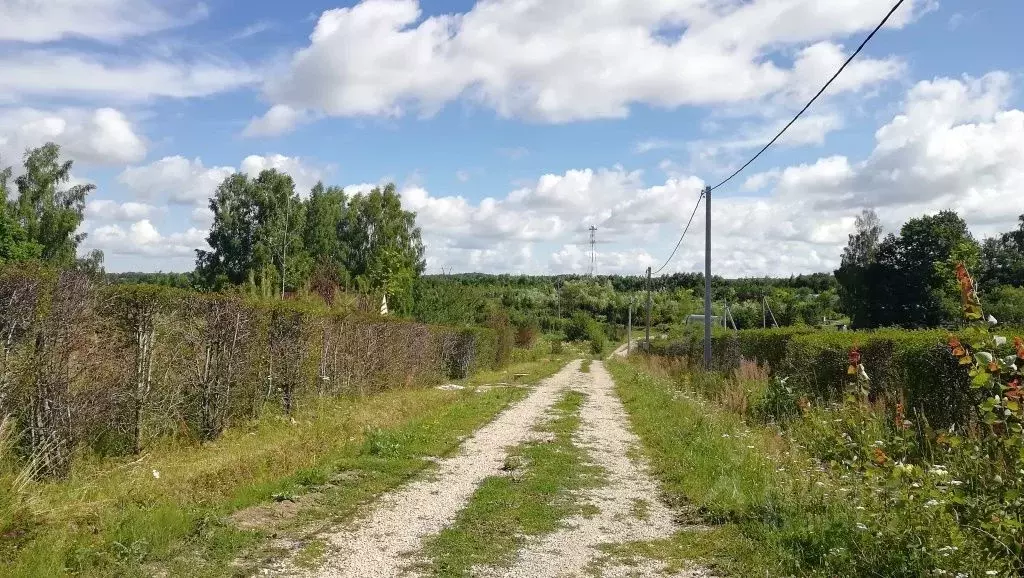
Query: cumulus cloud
point(280, 119)
point(108, 210)
point(567, 61)
point(184, 181)
point(64, 74)
point(143, 238)
point(106, 20)
point(175, 178)
point(305, 175)
point(953, 145)
point(102, 136)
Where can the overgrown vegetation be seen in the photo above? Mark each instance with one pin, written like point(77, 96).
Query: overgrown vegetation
point(893, 479)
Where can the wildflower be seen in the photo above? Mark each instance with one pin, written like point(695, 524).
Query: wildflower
point(879, 457)
point(931, 503)
point(1013, 392)
point(991, 572)
point(901, 418)
point(861, 526)
point(854, 358)
point(156, 474)
point(955, 483)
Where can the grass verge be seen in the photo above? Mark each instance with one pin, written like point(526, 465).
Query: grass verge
point(532, 499)
point(716, 469)
point(169, 509)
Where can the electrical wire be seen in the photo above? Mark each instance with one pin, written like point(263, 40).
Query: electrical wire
point(820, 92)
point(784, 129)
point(683, 236)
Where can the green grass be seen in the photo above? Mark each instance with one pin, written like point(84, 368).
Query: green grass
point(169, 509)
point(717, 470)
point(585, 365)
point(532, 499)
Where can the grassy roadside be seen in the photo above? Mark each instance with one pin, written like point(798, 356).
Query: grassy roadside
point(769, 514)
point(532, 499)
point(168, 509)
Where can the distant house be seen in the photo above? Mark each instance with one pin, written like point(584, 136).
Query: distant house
point(699, 320)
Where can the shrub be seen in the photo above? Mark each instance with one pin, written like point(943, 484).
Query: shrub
point(597, 344)
point(583, 328)
point(526, 334)
point(557, 347)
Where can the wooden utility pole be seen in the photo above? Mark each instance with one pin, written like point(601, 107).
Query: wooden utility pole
point(707, 278)
point(629, 327)
point(647, 335)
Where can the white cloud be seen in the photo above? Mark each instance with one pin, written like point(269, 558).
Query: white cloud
point(954, 145)
point(101, 136)
point(304, 175)
point(567, 61)
point(107, 20)
point(107, 210)
point(176, 178)
point(280, 119)
point(64, 74)
point(143, 238)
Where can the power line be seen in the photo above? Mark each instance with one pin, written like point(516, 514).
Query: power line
point(820, 92)
point(681, 237)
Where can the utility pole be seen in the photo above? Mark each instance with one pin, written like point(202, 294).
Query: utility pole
point(593, 255)
point(707, 278)
point(648, 332)
point(629, 327)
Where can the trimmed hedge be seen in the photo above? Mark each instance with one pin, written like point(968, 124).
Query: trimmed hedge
point(113, 367)
point(912, 367)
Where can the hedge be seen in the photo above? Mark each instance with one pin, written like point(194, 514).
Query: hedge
point(113, 367)
point(912, 367)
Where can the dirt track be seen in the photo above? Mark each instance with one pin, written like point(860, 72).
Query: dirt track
point(386, 542)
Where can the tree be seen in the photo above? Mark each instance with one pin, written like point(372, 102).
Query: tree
point(858, 256)
point(912, 282)
point(41, 223)
point(381, 245)
point(1002, 260)
point(256, 235)
point(232, 235)
point(325, 211)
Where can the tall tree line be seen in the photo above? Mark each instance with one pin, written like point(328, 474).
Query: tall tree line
point(908, 279)
point(266, 237)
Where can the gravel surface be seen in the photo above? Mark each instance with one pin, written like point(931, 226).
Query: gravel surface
point(572, 551)
point(385, 542)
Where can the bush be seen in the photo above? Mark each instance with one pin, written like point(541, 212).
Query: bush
point(557, 347)
point(583, 328)
point(597, 344)
point(527, 333)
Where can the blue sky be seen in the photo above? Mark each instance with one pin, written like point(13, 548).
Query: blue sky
point(510, 127)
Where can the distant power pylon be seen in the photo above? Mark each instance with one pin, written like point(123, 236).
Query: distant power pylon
point(593, 254)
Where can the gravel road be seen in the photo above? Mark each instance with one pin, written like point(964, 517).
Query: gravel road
point(387, 541)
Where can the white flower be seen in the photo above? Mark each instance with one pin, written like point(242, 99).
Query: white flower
point(991, 572)
point(931, 503)
point(1000, 340)
point(992, 320)
point(955, 483)
point(726, 436)
point(156, 474)
point(861, 526)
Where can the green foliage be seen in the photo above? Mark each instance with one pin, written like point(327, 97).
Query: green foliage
point(583, 328)
point(1002, 260)
point(1006, 304)
point(907, 280)
point(42, 221)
